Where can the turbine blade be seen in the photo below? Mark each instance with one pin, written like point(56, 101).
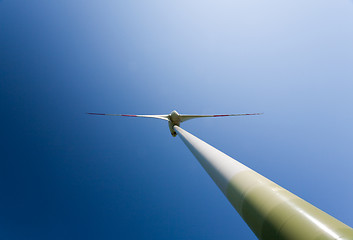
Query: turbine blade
point(163, 117)
point(184, 117)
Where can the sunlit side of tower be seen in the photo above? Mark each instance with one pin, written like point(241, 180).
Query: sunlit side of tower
point(270, 211)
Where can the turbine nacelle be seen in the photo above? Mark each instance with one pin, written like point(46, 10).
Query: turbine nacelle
point(174, 118)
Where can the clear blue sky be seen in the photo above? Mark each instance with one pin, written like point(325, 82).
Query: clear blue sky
point(67, 175)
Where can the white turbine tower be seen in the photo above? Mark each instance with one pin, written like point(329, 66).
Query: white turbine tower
point(272, 212)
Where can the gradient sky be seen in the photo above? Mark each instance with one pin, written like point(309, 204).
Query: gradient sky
point(68, 175)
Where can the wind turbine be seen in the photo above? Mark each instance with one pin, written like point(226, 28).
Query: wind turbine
point(271, 212)
point(174, 118)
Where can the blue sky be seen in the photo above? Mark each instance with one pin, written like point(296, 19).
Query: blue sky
point(67, 175)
